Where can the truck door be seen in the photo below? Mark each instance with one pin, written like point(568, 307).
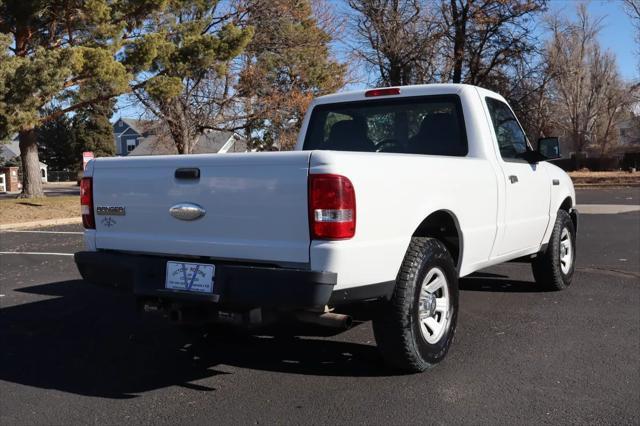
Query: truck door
point(527, 191)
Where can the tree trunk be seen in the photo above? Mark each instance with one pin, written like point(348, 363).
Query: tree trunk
point(31, 179)
point(459, 21)
point(395, 73)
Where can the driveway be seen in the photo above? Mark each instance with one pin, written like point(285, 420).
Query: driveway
point(73, 353)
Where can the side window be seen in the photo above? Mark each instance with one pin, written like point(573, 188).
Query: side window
point(511, 138)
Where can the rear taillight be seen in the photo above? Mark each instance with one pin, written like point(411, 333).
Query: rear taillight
point(86, 203)
point(332, 207)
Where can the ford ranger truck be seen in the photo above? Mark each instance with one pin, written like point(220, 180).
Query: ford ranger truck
point(390, 196)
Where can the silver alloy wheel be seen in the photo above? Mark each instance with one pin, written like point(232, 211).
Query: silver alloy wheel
point(434, 305)
point(566, 251)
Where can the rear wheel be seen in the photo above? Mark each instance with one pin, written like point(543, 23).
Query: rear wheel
point(416, 328)
point(553, 269)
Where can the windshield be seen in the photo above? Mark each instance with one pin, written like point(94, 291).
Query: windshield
point(430, 125)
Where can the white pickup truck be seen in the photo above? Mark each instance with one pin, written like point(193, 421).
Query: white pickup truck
point(390, 196)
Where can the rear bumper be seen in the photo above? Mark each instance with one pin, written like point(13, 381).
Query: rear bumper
point(235, 286)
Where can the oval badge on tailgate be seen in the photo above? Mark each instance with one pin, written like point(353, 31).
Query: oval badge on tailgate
point(187, 211)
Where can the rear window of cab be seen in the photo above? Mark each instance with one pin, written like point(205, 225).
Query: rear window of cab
point(429, 125)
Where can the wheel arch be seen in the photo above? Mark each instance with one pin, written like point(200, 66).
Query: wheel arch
point(568, 206)
point(444, 226)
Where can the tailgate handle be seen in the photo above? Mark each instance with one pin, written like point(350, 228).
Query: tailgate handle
point(188, 173)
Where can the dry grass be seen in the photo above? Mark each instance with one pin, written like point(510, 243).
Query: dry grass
point(26, 210)
point(588, 173)
point(605, 178)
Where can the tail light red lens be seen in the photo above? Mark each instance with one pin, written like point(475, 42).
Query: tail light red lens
point(332, 207)
point(86, 203)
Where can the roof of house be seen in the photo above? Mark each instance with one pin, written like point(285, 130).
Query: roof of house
point(208, 143)
point(11, 150)
point(140, 126)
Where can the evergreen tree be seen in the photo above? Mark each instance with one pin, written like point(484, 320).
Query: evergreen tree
point(286, 64)
point(59, 52)
point(56, 144)
point(77, 53)
point(187, 48)
point(93, 132)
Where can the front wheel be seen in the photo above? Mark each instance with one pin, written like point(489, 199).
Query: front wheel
point(553, 269)
point(416, 328)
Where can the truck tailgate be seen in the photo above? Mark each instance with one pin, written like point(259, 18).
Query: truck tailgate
point(255, 206)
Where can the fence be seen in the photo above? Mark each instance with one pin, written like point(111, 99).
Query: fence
point(62, 176)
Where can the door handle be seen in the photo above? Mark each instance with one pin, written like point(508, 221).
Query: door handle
point(187, 173)
point(513, 179)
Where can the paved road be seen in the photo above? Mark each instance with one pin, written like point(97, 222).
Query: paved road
point(52, 189)
point(72, 353)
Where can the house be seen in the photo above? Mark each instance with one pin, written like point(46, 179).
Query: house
point(10, 150)
point(142, 137)
point(129, 132)
point(629, 133)
point(211, 142)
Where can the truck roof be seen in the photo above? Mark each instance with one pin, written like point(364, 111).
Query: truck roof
point(405, 91)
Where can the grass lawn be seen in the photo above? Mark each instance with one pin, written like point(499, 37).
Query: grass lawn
point(26, 210)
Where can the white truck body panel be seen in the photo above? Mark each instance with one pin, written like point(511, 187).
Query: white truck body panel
point(385, 224)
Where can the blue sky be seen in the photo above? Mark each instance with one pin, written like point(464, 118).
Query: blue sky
point(617, 35)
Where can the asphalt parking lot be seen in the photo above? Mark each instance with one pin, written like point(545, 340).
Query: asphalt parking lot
point(73, 353)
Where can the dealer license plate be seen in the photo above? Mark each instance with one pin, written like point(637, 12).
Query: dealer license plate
point(194, 277)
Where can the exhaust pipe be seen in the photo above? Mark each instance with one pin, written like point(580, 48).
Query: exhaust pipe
point(325, 319)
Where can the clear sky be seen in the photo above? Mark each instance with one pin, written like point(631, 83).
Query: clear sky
point(617, 35)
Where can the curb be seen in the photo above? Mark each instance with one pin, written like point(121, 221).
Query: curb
point(41, 223)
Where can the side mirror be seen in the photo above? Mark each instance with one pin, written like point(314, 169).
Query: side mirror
point(549, 147)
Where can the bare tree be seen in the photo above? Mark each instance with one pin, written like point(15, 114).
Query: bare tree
point(528, 90)
point(587, 90)
point(632, 7)
point(460, 41)
point(398, 39)
point(483, 36)
point(633, 10)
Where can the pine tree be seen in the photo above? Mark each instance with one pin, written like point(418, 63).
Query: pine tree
point(286, 65)
point(77, 53)
point(59, 51)
point(93, 132)
point(55, 144)
point(187, 49)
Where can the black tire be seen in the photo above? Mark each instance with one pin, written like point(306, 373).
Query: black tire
point(548, 266)
point(397, 328)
